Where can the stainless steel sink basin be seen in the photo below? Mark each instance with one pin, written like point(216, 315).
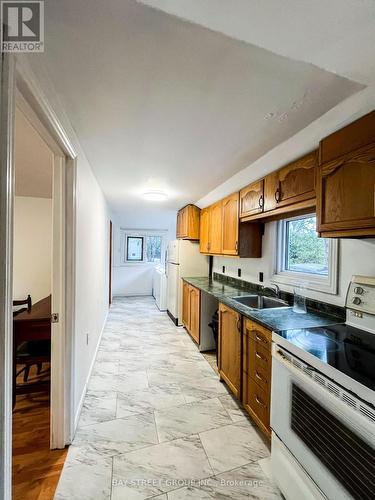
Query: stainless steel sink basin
point(260, 302)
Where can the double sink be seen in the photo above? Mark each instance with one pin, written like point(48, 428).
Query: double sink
point(260, 302)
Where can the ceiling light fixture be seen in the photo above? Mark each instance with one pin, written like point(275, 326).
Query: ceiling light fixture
point(154, 195)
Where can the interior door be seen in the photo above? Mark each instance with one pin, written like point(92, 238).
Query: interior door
point(58, 305)
point(230, 224)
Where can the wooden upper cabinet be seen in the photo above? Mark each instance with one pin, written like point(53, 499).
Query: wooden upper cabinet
point(230, 348)
point(204, 230)
point(291, 184)
point(230, 224)
point(215, 228)
point(252, 199)
point(346, 195)
point(188, 223)
point(346, 181)
point(271, 191)
point(297, 180)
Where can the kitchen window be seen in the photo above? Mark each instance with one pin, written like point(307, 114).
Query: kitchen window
point(142, 247)
point(303, 258)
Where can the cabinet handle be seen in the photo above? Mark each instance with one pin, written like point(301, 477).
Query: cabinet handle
point(236, 246)
point(259, 401)
point(261, 201)
point(277, 195)
point(260, 377)
point(260, 356)
point(239, 324)
point(261, 339)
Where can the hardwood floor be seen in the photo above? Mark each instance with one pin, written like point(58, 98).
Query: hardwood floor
point(36, 469)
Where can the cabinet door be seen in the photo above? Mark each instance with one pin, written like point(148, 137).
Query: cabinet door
point(297, 180)
point(271, 191)
point(230, 224)
point(230, 348)
point(195, 313)
point(215, 228)
point(186, 304)
point(178, 228)
point(204, 230)
point(346, 192)
point(184, 222)
point(252, 199)
point(193, 217)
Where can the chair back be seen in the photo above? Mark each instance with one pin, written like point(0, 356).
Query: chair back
point(23, 302)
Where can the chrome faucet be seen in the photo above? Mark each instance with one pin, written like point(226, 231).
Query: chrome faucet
point(274, 289)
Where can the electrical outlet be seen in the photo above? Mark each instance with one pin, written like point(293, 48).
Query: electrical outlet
point(261, 277)
point(223, 269)
point(239, 272)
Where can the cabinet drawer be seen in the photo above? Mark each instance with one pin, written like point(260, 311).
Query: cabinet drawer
point(257, 400)
point(256, 359)
point(258, 333)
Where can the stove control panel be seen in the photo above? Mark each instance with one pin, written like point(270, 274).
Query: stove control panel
point(361, 294)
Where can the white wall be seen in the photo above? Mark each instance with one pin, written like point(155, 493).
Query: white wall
point(92, 243)
point(32, 251)
point(136, 279)
point(355, 257)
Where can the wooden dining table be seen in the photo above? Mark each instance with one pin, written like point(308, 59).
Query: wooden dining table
point(29, 325)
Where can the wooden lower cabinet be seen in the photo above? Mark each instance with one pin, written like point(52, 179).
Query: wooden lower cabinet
point(230, 348)
point(191, 310)
point(194, 313)
point(256, 373)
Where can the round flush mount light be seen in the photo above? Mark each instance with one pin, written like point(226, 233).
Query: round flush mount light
point(155, 195)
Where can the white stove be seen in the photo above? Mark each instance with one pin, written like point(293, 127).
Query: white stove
point(323, 404)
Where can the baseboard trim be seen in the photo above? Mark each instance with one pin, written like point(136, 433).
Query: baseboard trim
point(84, 391)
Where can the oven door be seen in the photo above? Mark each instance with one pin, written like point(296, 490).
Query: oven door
point(332, 442)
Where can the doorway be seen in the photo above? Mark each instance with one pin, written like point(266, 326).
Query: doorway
point(36, 288)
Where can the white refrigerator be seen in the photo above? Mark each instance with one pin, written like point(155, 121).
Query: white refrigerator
point(183, 260)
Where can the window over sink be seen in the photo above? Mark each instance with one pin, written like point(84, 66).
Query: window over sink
point(304, 259)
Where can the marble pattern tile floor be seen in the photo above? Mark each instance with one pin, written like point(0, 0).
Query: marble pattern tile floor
point(156, 421)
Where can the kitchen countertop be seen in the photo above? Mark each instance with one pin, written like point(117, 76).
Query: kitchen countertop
point(277, 319)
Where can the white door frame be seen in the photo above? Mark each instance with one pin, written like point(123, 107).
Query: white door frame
point(37, 110)
point(6, 265)
point(18, 81)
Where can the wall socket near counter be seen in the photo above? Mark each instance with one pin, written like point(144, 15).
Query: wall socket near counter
point(223, 269)
point(261, 278)
point(239, 272)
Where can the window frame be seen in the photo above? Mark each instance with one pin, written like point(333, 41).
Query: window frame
point(326, 284)
point(128, 236)
point(142, 233)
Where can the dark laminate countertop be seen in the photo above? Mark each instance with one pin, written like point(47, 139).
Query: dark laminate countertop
point(283, 318)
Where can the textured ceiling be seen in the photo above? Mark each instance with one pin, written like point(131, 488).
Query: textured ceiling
point(158, 102)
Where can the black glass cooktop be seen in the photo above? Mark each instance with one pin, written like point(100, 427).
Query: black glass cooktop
point(348, 349)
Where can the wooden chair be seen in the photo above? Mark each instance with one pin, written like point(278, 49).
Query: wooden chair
point(29, 353)
point(27, 302)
